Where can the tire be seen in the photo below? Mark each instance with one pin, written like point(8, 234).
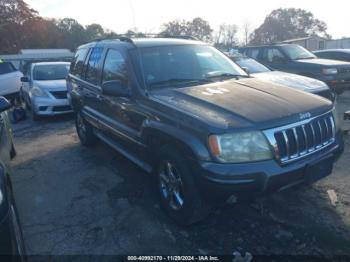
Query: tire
point(179, 198)
point(35, 116)
point(85, 131)
point(20, 250)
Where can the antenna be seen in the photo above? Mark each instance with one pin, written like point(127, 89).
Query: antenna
point(133, 14)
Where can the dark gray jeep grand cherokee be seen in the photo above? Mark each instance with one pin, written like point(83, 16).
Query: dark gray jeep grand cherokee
point(184, 111)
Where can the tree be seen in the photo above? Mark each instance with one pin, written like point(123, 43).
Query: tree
point(286, 23)
point(198, 28)
point(246, 31)
point(93, 32)
point(73, 33)
point(176, 27)
point(225, 37)
point(13, 14)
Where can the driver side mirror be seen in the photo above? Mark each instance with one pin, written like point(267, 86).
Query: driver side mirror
point(4, 104)
point(24, 79)
point(116, 88)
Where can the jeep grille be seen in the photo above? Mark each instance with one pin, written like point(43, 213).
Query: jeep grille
point(304, 138)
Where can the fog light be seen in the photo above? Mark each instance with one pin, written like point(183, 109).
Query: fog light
point(43, 108)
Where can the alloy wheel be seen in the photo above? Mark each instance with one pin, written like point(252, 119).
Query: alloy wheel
point(171, 186)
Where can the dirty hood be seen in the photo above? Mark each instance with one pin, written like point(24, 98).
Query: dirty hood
point(243, 103)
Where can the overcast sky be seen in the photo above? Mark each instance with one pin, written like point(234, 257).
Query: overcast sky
point(149, 15)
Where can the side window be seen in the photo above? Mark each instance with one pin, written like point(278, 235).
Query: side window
point(77, 64)
point(92, 65)
point(273, 55)
point(253, 53)
point(114, 67)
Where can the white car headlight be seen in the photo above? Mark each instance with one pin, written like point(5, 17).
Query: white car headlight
point(330, 71)
point(240, 147)
point(37, 91)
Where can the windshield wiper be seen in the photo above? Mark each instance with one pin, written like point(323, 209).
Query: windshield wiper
point(180, 81)
point(300, 58)
point(227, 75)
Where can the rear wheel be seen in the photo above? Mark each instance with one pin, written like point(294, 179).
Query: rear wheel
point(178, 193)
point(85, 131)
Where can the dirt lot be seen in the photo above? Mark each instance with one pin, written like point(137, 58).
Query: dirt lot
point(75, 200)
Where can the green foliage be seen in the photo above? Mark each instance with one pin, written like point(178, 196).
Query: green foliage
point(287, 23)
point(198, 28)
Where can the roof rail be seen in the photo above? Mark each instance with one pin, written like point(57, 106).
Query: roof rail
point(187, 37)
point(117, 37)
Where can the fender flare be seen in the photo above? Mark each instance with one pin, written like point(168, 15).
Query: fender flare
point(192, 144)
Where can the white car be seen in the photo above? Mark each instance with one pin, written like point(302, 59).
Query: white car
point(44, 89)
point(10, 80)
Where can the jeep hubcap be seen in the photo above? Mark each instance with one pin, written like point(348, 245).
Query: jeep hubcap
point(171, 186)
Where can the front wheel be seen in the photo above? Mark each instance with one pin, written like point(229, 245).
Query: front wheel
point(85, 131)
point(178, 193)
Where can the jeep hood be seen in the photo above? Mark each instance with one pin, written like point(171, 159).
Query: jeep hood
point(246, 103)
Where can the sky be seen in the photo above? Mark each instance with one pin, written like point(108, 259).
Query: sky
point(148, 15)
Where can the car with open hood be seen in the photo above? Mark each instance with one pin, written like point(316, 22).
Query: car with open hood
point(183, 111)
point(295, 59)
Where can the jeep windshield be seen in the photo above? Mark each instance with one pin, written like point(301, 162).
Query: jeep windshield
point(184, 65)
point(297, 52)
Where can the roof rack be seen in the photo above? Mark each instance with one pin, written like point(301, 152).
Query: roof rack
point(118, 37)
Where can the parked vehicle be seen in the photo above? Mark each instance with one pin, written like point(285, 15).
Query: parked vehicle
point(295, 59)
point(207, 130)
point(10, 80)
point(44, 89)
point(334, 54)
point(11, 240)
point(303, 83)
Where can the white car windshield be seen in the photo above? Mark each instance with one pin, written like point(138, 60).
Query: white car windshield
point(50, 72)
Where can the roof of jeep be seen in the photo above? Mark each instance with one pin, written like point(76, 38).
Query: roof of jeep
point(146, 42)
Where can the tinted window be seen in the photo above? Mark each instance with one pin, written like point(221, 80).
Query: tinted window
point(92, 65)
point(114, 67)
point(185, 63)
point(6, 68)
point(252, 65)
point(273, 55)
point(78, 62)
point(50, 72)
point(253, 53)
point(296, 52)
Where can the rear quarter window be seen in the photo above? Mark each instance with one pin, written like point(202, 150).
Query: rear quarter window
point(77, 64)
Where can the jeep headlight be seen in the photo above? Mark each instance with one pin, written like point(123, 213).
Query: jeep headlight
point(330, 71)
point(37, 91)
point(240, 147)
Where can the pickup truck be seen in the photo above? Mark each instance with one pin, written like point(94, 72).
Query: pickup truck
point(10, 80)
point(183, 111)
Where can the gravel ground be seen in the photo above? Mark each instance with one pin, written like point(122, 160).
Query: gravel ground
point(74, 200)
